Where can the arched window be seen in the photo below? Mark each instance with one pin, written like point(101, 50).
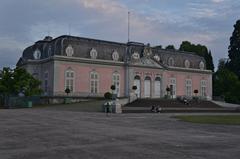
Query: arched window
point(94, 82)
point(116, 82)
point(137, 82)
point(147, 87)
point(69, 80)
point(170, 61)
point(157, 87)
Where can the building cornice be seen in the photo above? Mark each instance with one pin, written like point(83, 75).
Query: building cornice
point(75, 59)
point(180, 69)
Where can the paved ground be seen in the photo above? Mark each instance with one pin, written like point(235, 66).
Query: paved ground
point(66, 134)
point(228, 105)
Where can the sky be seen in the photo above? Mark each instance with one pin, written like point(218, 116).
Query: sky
point(158, 22)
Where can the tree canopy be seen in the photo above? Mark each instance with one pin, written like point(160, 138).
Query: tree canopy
point(170, 47)
point(226, 84)
point(18, 80)
point(234, 50)
point(200, 50)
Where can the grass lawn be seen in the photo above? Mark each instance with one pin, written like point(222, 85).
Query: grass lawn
point(211, 119)
point(87, 106)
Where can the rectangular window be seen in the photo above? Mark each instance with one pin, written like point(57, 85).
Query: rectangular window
point(116, 83)
point(94, 82)
point(69, 80)
point(188, 85)
point(173, 86)
point(203, 88)
point(46, 82)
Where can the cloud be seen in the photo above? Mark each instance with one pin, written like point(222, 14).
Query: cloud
point(163, 22)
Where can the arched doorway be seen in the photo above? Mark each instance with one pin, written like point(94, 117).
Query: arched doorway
point(137, 82)
point(157, 87)
point(147, 87)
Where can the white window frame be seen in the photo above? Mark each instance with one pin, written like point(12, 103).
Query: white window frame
point(94, 82)
point(173, 82)
point(70, 80)
point(188, 87)
point(116, 81)
point(46, 77)
point(203, 89)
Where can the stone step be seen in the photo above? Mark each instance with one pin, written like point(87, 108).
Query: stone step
point(181, 110)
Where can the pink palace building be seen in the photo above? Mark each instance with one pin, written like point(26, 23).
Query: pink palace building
point(89, 67)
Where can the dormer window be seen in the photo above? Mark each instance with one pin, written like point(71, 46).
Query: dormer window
point(201, 65)
point(37, 54)
point(115, 56)
point(69, 51)
point(93, 53)
point(187, 63)
point(170, 61)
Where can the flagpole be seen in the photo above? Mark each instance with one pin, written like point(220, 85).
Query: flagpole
point(128, 26)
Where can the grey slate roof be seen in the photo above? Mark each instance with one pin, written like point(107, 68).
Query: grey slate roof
point(82, 47)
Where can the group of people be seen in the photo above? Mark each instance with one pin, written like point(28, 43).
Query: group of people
point(156, 109)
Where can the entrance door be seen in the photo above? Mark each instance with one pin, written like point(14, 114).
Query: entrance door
point(138, 84)
point(157, 88)
point(147, 87)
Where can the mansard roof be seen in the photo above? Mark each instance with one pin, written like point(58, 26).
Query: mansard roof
point(80, 47)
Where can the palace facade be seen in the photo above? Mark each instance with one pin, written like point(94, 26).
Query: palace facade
point(89, 67)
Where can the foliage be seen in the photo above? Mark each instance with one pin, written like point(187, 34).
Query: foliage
point(18, 80)
point(170, 47)
point(234, 50)
point(108, 95)
point(195, 91)
point(67, 90)
point(226, 84)
point(134, 87)
point(168, 89)
point(113, 87)
point(158, 46)
point(200, 50)
point(211, 119)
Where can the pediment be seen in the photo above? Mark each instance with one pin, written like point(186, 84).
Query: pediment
point(146, 62)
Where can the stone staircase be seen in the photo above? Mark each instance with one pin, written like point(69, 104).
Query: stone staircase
point(175, 106)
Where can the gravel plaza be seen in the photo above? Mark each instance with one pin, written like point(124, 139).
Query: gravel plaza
point(45, 133)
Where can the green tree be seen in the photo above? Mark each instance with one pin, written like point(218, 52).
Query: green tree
point(226, 84)
point(200, 50)
point(170, 47)
point(18, 80)
point(234, 50)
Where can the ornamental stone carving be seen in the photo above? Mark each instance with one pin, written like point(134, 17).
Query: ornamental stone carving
point(69, 51)
point(147, 52)
point(156, 57)
point(135, 56)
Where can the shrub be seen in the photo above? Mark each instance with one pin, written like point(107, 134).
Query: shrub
point(134, 87)
point(195, 91)
point(113, 87)
point(108, 95)
point(67, 90)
